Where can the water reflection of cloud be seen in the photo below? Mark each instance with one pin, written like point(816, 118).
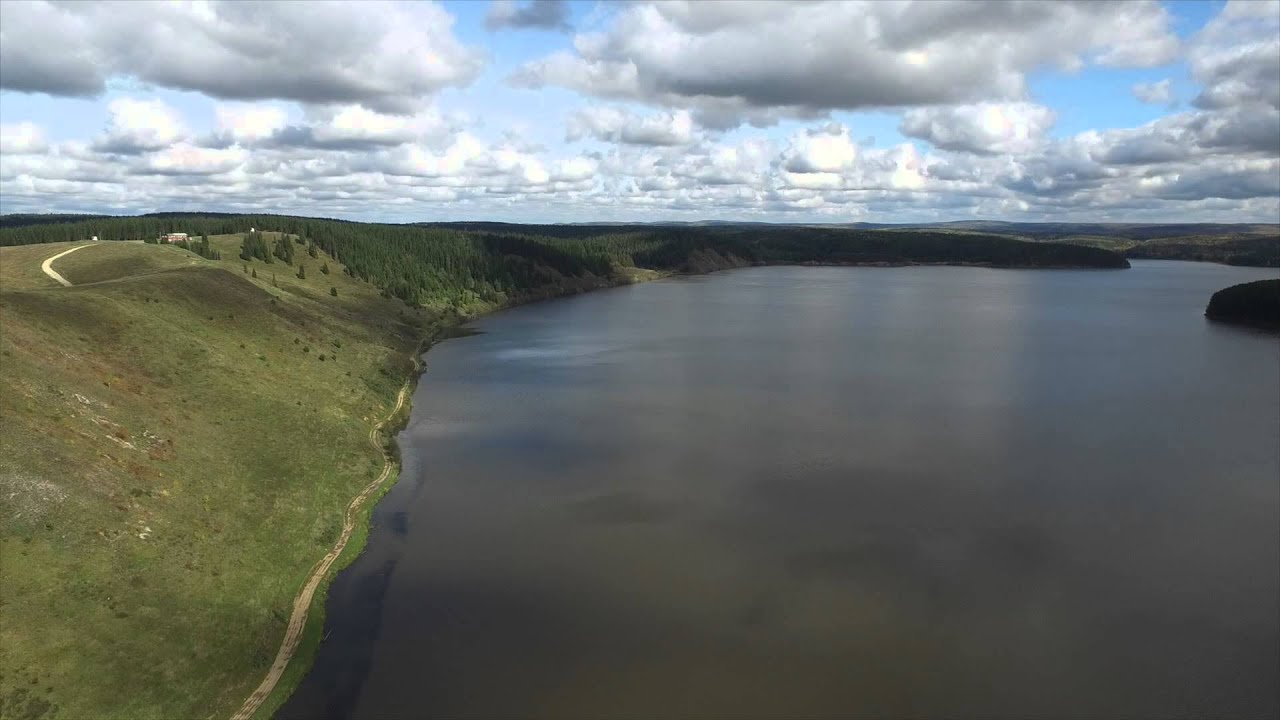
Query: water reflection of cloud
point(553, 355)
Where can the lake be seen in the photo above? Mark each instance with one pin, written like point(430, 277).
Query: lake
point(830, 492)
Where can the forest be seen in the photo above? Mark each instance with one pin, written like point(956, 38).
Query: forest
point(1255, 303)
point(498, 264)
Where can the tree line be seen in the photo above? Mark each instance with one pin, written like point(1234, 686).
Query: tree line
point(496, 263)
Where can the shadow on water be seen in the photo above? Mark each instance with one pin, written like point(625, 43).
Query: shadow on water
point(458, 331)
point(332, 688)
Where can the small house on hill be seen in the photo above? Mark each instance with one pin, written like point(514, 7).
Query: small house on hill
point(173, 237)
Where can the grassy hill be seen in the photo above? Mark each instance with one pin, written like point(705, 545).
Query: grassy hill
point(179, 441)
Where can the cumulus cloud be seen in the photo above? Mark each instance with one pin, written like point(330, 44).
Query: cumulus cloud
point(620, 126)
point(535, 14)
point(984, 128)
point(801, 59)
point(22, 139)
point(386, 56)
point(187, 159)
point(823, 150)
point(679, 142)
point(1236, 57)
point(1157, 93)
point(139, 126)
point(248, 123)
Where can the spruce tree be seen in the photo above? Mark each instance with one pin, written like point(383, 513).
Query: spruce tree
point(302, 271)
point(324, 267)
point(284, 249)
point(255, 272)
point(333, 291)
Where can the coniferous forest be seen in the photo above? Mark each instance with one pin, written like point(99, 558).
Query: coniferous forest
point(454, 265)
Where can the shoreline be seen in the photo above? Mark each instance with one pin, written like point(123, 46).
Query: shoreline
point(308, 638)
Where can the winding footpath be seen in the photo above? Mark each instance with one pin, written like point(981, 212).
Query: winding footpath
point(47, 265)
point(302, 603)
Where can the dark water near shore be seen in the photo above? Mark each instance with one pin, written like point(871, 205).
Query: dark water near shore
point(830, 492)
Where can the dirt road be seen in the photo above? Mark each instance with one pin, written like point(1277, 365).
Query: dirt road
point(47, 265)
point(302, 603)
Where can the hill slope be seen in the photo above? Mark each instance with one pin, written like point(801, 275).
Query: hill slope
point(177, 449)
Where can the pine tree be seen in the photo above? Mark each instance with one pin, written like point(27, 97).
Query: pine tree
point(333, 291)
point(312, 250)
point(253, 246)
point(284, 249)
point(255, 272)
point(302, 271)
point(324, 267)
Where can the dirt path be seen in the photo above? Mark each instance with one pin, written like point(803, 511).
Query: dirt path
point(302, 603)
point(47, 265)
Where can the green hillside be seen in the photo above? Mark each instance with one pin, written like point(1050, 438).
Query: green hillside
point(176, 451)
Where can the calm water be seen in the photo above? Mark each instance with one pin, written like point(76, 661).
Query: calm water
point(830, 492)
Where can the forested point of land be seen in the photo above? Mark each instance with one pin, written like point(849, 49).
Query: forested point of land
point(1253, 303)
point(1262, 251)
point(499, 264)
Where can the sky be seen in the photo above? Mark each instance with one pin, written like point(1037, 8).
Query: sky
point(565, 111)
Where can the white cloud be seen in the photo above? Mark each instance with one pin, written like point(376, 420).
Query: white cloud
point(1236, 57)
point(1157, 93)
point(22, 139)
point(826, 150)
point(355, 137)
point(985, 128)
point(187, 159)
point(387, 56)
point(795, 59)
point(620, 126)
point(242, 122)
point(138, 126)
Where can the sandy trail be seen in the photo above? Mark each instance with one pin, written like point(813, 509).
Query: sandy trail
point(47, 265)
point(302, 603)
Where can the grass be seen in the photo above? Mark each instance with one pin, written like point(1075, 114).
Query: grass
point(113, 260)
point(174, 458)
point(20, 265)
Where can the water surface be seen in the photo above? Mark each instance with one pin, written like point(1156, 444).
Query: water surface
point(830, 492)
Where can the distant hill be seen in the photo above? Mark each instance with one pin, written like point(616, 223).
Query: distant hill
point(1260, 251)
point(1254, 303)
point(1129, 231)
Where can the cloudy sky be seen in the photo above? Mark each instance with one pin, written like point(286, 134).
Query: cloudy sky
point(547, 111)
